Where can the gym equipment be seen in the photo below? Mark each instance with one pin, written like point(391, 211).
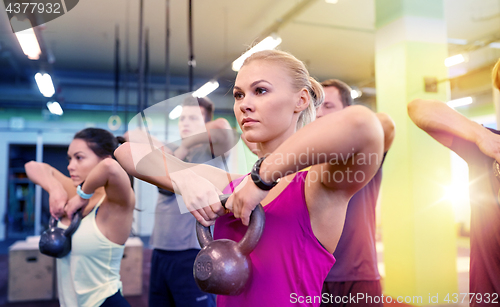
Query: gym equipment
point(222, 266)
point(55, 241)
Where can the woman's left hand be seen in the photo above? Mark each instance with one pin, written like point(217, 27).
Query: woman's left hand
point(244, 200)
point(75, 203)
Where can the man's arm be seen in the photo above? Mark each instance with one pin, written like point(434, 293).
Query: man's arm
point(389, 129)
point(220, 135)
point(444, 124)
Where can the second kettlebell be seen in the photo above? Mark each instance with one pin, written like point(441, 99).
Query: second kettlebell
point(56, 241)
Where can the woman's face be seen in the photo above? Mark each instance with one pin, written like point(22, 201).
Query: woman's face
point(265, 104)
point(81, 160)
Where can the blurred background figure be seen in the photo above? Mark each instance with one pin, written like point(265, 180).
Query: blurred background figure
point(355, 270)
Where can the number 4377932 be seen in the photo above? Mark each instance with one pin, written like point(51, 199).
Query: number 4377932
point(33, 7)
point(471, 297)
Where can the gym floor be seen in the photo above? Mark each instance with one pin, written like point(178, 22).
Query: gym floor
point(141, 301)
point(135, 301)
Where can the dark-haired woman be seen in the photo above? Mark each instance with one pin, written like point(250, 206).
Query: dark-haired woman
point(89, 274)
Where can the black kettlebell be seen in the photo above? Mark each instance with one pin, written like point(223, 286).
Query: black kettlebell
point(222, 266)
point(55, 241)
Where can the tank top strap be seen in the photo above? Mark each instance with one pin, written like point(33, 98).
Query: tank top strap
point(96, 207)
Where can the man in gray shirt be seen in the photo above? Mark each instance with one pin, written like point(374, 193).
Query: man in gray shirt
point(174, 241)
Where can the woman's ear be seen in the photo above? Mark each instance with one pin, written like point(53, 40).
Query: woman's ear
point(302, 101)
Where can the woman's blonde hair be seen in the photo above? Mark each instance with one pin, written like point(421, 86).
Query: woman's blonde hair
point(300, 79)
point(495, 75)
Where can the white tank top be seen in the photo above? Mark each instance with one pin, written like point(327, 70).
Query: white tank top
point(90, 273)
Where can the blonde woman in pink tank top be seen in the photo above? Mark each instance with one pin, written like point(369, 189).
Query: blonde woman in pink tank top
point(275, 102)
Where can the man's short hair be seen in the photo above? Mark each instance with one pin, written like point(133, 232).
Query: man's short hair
point(344, 90)
point(204, 103)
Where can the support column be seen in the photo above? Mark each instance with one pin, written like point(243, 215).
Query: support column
point(417, 222)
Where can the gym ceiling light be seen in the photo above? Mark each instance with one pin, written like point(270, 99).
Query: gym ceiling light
point(175, 113)
point(27, 38)
point(206, 89)
point(55, 108)
point(45, 85)
point(268, 43)
point(454, 60)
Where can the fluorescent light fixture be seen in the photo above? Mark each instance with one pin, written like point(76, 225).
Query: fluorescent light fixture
point(457, 41)
point(45, 85)
point(369, 91)
point(268, 43)
point(27, 38)
point(356, 94)
point(495, 45)
point(454, 60)
point(206, 89)
point(55, 108)
point(331, 1)
point(175, 113)
point(460, 102)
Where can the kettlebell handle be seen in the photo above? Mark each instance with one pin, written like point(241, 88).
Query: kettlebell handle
point(203, 233)
point(52, 222)
point(254, 231)
point(75, 222)
point(252, 235)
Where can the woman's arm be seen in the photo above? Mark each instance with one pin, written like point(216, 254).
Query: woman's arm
point(199, 184)
point(59, 187)
point(339, 144)
point(157, 167)
point(443, 124)
point(110, 175)
point(335, 142)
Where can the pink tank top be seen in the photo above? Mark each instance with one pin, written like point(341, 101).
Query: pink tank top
point(289, 265)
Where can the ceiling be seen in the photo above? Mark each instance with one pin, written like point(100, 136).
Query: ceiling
point(334, 40)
